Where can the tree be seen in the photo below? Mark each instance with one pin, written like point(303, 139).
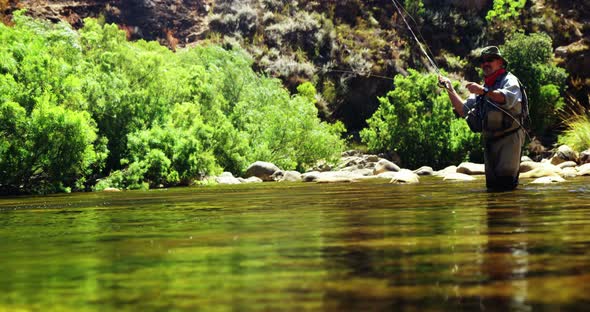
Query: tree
point(530, 58)
point(416, 121)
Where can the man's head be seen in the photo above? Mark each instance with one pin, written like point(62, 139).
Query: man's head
point(491, 60)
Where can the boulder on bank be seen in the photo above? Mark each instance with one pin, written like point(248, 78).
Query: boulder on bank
point(585, 157)
point(384, 165)
point(262, 170)
point(548, 180)
point(446, 171)
point(250, 180)
point(311, 176)
point(457, 176)
point(564, 153)
point(584, 169)
point(424, 171)
point(567, 164)
point(546, 170)
point(569, 172)
point(471, 168)
point(405, 176)
point(111, 190)
point(287, 176)
point(227, 178)
point(529, 165)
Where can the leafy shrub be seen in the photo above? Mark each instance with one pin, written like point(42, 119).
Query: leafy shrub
point(48, 150)
point(530, 58)
point(69, 100)
point(416, 121)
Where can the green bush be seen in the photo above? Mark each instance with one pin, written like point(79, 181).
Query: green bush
point(77, 107)
point(49, 150)
point(416, 121)
point(530, 58)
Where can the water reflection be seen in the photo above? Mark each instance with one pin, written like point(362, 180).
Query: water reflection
point(506, 255)
point(341, 247)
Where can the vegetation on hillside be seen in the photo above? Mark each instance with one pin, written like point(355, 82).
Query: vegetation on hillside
point(78, 106)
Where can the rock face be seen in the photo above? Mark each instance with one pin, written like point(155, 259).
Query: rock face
point(263, 170)
point(170, 22)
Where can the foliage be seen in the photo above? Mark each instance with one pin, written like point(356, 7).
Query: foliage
point(76, 107)
point(577, 135)
point(505, 10)
point(416, 121)
point(414, 7)
point(530, 58)
point(47, 150)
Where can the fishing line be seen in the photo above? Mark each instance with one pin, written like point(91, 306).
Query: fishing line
point(401, 13)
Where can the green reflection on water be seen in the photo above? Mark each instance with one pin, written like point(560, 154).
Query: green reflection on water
point(294, 247)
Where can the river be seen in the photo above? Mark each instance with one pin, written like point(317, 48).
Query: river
point(302, 246)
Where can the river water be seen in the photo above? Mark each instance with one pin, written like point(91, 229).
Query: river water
point(297, 247)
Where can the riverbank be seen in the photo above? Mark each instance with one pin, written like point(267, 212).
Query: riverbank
point(353, 166)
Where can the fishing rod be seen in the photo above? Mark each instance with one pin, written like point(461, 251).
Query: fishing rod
point(401, 10)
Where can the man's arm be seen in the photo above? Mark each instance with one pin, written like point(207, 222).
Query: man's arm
point(456, 100)
point(495, 95)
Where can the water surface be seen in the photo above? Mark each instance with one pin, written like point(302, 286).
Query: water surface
point(296, 247)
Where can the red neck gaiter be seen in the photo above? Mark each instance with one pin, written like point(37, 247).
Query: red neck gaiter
point(491, 79)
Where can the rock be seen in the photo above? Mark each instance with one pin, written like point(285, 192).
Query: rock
point(424, 171)
point(261, 169)
point(352, 161)
point(547, 170)
point(447, 170)
point(384, 165)
point(567, 164)
point(227, 178)
point(352, 168)
point(311, 176)
point(386, 175)
point(471, 168)
point(338, 176)
point(111, 189)
point(291, 176)
point(548, 180)
point(250, 180)
point(525, 158)
point(584, 169)
point(457, 176)
point(405, 176)
point(322, 167)
point(569, 172)
point(529, 165)
point(363, 172)
point(351, 153)
point(585, 157)
point(371, 158)
point(564, 153)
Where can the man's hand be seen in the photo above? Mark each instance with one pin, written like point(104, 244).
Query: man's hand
point(474, 88)
point(445, 82)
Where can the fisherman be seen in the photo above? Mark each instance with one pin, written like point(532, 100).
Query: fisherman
point(496, 109)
